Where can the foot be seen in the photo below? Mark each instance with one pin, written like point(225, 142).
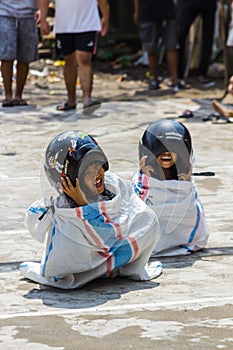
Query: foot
point(91, 106)
point(8, 103)
point(154, 85)
point(224, 111)
point(65, 107)
point(202, 79)
point(19, 102)
point(175, 88)
point(183, 85)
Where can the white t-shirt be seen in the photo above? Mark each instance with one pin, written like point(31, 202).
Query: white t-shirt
point(76, 16)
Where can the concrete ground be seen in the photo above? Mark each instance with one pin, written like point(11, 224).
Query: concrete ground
point(190, 306)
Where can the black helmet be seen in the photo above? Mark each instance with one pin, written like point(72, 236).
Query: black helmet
point(70, 153)
point(167, 135)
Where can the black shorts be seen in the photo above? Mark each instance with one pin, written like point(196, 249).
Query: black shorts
point(70, 42)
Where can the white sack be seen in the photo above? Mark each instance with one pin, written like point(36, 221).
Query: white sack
point(103, 239)
point(183, 227)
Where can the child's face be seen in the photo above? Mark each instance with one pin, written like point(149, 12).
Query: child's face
point(167, 159)
point(94, 178)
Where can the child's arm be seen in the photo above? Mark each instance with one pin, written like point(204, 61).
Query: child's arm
point(186, 177)
point(73, 192)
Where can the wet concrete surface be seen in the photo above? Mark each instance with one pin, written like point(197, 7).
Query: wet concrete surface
point(189, 306)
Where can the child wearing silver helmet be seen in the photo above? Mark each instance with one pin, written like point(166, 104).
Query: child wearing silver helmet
point(96, 226)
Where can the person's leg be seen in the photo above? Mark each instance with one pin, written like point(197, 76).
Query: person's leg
point(186, 14)
point(21, 77)
point(149, 39)
point(155, 32)
point(70, 76)
point(208, 16)
point(230, 85)
point(8, 48)
point(170, 41)
point(7, 74)
point(153, 65)
point(27, 51)
point(85, 46)
point(172, 60)
point(65, 43)
point(153, 68)
point(222, 110)
point(85, 72)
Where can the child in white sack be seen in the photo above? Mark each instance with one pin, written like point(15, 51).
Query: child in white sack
point(164, 182)
point(96, 226)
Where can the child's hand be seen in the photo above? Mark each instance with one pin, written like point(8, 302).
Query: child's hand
point(186, 177)
point(145, 169)
point(73, 192)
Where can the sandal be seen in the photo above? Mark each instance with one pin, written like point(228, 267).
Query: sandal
point(91, 106)
point(217, 119)
point(203, 79)
point(212, 117)
point(7, 103)
point(19, 102)
point(183, 85)
point(222, 120)
point(65, 107)
point(186, 114)
point(154, 85)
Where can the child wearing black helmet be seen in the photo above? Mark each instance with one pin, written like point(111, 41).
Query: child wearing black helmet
point(165, 151)
point(165, 184)
point(83, 174)
point(93, 227)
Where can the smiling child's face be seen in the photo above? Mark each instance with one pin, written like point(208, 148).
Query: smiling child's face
point(167, 159)
point(94, 178)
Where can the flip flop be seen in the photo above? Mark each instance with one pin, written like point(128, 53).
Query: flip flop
point(217, 119)
point(183, 85)
point(202, 79)
point(223, 120)
point(19, 102)
point(186, 114)
point(65, 107)
point(7, 103)
point(91, 106)
point(212, 117)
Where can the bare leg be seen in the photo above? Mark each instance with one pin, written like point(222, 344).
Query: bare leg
point(224, 111)
point(153, 65)
point(7, 74)
point(21, 77)
point(70, 75)
point(230, 85)
point(172, 59)
point(85, 71)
